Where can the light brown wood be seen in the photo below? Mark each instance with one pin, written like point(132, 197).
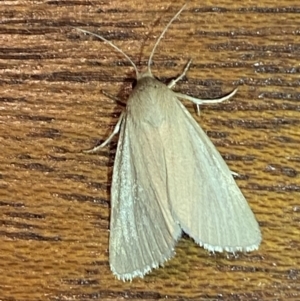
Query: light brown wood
point(54, 199)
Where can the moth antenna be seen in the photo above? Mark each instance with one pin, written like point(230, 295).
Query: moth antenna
point(161, 35)
point(112, 45)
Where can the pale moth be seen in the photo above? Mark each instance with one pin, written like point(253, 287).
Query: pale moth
point(167, 178)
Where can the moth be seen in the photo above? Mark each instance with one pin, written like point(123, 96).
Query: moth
point(168, 178)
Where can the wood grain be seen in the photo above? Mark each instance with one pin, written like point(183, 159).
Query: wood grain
point(54, 199)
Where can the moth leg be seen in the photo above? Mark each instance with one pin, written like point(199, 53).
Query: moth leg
point(116, 99)
point(198, 101)
point(235, 174)
point(174, 81)
point(115, 131)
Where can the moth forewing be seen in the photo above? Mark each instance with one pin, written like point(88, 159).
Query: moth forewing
point(143, 231)
point(216, 214)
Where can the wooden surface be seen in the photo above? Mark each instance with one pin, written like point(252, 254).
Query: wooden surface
point(55, 200)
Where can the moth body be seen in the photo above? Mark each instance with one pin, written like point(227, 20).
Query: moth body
point(168, 178)
point(150, 101)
